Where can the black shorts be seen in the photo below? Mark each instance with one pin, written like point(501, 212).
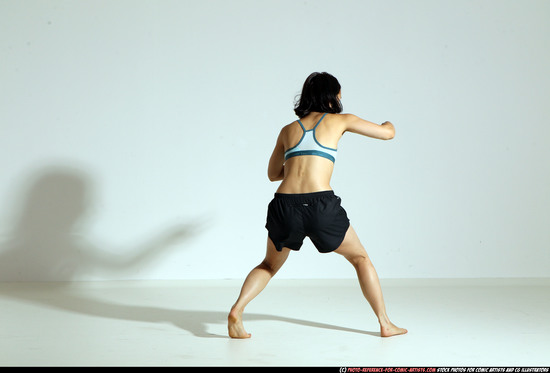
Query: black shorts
point(319, 216)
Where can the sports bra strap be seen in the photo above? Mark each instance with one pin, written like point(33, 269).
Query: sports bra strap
point(320, 120)
point(308, 145)
point(304, 128)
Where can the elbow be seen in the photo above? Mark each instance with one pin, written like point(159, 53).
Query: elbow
point(272, 176)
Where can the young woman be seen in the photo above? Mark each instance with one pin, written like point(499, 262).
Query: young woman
point(305, 205)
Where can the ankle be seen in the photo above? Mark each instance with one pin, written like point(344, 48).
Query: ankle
point(384, 321)
point(236, 311)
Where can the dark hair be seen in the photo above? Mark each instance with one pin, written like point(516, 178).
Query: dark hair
point(320, 93)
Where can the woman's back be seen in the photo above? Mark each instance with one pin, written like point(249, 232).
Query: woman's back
point(309, 172)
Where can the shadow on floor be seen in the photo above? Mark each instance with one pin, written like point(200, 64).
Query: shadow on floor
point(64, 298)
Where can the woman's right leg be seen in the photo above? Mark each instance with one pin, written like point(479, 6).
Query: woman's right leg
point(254, 283)
point(352, 249)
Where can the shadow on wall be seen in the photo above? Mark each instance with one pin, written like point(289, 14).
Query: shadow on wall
point(46, 242)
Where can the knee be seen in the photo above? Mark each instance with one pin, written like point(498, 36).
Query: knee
point(269, 267)
point(361, 261)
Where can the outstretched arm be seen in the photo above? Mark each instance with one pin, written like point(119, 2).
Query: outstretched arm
point(276, 169)
point(384, 131)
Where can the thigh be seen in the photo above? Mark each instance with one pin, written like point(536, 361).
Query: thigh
point(273, 258)
point(351, 248)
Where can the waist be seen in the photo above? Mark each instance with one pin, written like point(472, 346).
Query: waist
point(293, 186)
point(304, 197)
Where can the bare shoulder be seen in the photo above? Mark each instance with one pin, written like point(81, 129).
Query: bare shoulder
point(286, 132)
point(290, 128)
point(355, 124)
point(344, 117)
point(341, 121)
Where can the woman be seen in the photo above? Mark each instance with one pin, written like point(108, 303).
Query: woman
point(305, 205)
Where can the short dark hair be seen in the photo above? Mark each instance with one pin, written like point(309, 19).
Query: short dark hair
point(320, 94)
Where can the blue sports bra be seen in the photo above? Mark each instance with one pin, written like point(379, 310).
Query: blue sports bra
point(308, 145)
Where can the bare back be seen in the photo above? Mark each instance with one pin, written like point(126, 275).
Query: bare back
point(309, 173)
point(312, 173)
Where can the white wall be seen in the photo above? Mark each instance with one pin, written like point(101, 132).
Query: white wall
point(135, 135)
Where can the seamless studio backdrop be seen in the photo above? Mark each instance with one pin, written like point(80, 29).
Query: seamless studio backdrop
point(135, 135)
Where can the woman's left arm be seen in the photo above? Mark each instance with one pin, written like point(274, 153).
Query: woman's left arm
point(276, 169)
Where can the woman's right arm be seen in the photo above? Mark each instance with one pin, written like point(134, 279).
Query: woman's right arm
point(275, 168)
point(384, 131)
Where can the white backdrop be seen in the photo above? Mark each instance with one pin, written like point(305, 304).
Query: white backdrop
point(135, 135)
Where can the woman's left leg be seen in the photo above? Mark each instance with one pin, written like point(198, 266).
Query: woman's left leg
point(352, 249)
point(254, 283)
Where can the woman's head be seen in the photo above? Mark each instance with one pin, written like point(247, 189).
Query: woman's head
point(320, 94)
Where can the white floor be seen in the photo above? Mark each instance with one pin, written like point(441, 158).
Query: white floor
point(293, 323)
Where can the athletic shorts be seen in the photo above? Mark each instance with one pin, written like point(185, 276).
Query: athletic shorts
point(319, 216)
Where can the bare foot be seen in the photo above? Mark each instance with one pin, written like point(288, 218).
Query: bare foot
point(235, 325)
point(390, 330)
